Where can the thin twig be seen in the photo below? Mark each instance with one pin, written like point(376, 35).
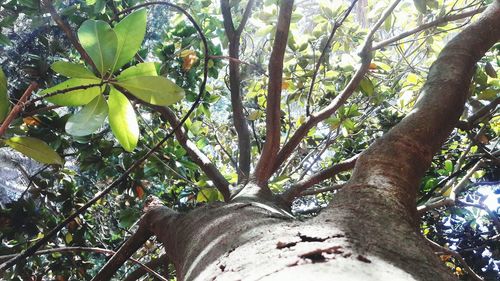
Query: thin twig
point(87, 249)
point(426, 26)
point(442, 250)
point(321, 58)
point(17, 108)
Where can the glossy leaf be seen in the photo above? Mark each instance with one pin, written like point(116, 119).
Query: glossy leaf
point(130, 33)
point(100, 41)
point(153, 89)
point(72, 70)
point(75, 97)
point(367, 86)
point(35, 149)
point(4, 97)
point(141, 69)
point(123, 120)
point(89, 119)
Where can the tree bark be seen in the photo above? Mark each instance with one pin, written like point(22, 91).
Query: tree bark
point(370, 229)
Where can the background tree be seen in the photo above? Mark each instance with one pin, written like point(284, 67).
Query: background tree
point(312, 90)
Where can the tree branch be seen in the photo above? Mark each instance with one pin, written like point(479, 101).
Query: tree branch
point(273, 112)
point(153, 264)
point(144, 267)
point(239, 119)
point(399, 159)
point(424, 26)
point(298, 188)
point(323, 54)
point(478, 115)
point(339, 100)
point(32, 249)
point(440, 249)
point(321, 190)
point(68, 31)
point(196, 155)
point(17, 108)
point(128, 248)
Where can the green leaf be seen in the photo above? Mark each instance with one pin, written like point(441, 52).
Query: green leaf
point(72, 70)
point(448, 166)
point(141, 69)
point(35, 149)
point(100, 41)
point(153, 89)
point(127, 217)
point(75, 97)
point(421, 5)
point(130, 33)
point(4, 40)
point(89, 119)
point(4, 97)
point(209, 195)
point(123, 120)
point(366, 86)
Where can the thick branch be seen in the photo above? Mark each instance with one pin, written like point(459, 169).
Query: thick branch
point(297, 189)
point(128, 248)
point(424, 26)
point(196, 155)
point(397, 161)
point(339, 100)
point(239, 119)
point(273, 111)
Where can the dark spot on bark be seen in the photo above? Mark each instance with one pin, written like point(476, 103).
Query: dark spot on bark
point(314, 257)
point(347, 255)
point(363, 259)
point(318, 254)
point(242, 206)
point(222, 267)
point(306, 238)
point(281, 245)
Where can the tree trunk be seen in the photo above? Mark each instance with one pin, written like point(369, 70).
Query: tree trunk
point(370, 231)
point(355, 240)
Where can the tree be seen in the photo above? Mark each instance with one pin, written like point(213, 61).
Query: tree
point(370, 228)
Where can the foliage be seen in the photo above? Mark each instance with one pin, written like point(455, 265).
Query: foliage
point(156, 57)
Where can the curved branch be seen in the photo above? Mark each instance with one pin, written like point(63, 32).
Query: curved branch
point(397, 161)
point(273, 108)
point(196, 155)
point(298, 188)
